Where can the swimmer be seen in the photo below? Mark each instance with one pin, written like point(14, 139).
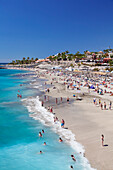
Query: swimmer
point(44, 143)
point(40, 152)
point(60, 140)
point(73, 158)
point(71, 167)
point(40, 134)
point(42, 131)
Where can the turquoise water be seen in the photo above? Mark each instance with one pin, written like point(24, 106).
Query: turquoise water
point(19, 141)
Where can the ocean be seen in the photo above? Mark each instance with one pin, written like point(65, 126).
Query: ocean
point(21, 120)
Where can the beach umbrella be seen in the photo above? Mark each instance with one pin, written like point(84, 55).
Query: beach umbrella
point(107, 71)
point(92, 87)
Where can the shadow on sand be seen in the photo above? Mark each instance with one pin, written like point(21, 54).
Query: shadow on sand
point(106, 145)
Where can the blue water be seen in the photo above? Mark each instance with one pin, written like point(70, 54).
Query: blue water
point(19, 141)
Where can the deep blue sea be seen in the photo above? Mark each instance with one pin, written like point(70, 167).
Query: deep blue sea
point(19, 140)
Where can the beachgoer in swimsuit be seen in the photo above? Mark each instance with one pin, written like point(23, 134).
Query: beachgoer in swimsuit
point(105, 105)
point(44, 143)
point(51, 110)
point(45, 97)
point(73, 158)
point(99, 101)
point(67, 99)
point(101, 106)
point(71, 167)
point(102, 137)
point(42, 131)
point(60, 140)
point(56, 100)
point(40, 134)
point(94, 100)
point(42, 103)
point(62, 123)
point(110, 105)
point(61, 99)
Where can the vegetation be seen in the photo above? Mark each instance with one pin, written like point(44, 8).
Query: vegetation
point(95, 69)
point(24, 61)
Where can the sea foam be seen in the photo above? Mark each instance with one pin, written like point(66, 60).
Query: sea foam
point(40, 113)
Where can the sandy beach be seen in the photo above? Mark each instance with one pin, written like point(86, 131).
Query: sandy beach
point(88, 122)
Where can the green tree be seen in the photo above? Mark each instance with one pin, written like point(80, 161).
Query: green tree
point(66, 52)
point(36, 59)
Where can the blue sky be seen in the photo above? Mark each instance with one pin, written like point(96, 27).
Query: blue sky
point(39, 28)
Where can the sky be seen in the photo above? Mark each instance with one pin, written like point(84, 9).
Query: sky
point(40, 28)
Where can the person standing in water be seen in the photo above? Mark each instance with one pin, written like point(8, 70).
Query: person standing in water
point(62, 123)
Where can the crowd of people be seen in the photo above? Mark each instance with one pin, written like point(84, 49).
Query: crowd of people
point(103, 106)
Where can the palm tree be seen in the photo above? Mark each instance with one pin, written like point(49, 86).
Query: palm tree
point(24, 58)
point(36, 59)
point(67, 52)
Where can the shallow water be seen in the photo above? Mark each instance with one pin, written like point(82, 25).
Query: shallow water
point(19, 141)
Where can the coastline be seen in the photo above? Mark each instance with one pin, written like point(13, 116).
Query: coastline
point(87, 122)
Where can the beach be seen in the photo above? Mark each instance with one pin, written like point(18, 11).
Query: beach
point(88, 122)
point(85, 119)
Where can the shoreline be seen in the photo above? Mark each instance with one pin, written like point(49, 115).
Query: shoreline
point(87, 122)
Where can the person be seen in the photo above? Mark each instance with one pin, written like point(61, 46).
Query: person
point(99, 101)
point(102, 137)
point(73, 158)
point(62, 123)
point(60, 140)
point(67, 99)
point(42, 103)
point(110, 105)
point(44, 143)
point(20, 96)
point(105, 105)
point(48, 107)
point(94, 100)
point(48, 98)
point(56, 100)
point(55, 119)
point(61, 99)
point(71, 167)
point(51, 110)
point(101, 106)
point(45, 97)
point(40, 152)
point(42, 131)
point(40, 134)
